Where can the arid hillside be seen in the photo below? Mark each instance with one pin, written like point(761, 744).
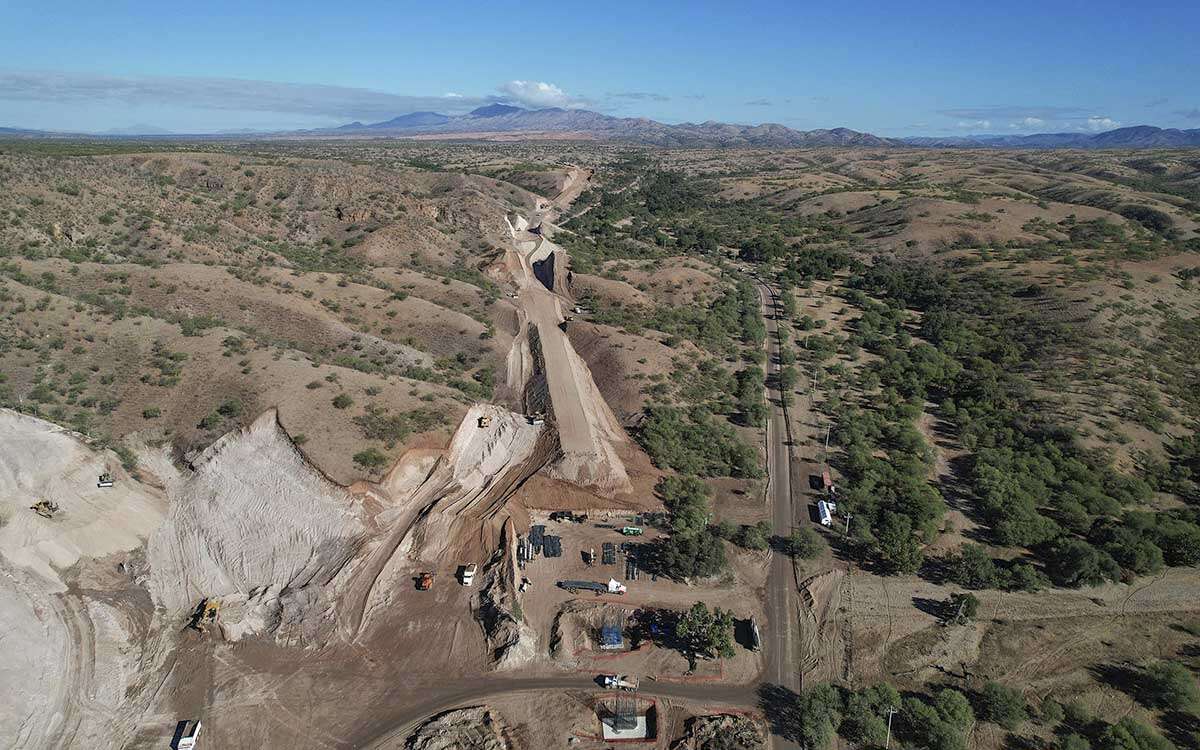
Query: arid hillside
point(178, 295)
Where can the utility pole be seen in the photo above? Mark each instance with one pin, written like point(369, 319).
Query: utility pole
point(888, 742)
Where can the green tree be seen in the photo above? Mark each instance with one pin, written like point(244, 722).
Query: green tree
point(898, 549)
point(1075, 563)
point(1002, 705)
point(1131, 734)
point(1171, 685)
point(1072, 741)
point(707, 632)
point(804, 543)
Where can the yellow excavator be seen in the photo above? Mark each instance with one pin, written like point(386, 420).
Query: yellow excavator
point(206, 614)
point(45, 508)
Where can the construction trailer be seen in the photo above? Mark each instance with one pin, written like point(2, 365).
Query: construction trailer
point(825, 511)
point(755, 635)
point(612, 587)
point(631, 530)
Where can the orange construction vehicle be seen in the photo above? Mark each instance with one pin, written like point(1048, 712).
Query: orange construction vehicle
point(425, 582)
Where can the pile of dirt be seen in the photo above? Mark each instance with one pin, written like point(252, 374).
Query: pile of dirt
point(477, 728)
point(253, 523)
point(722, 730)
point(513, 642)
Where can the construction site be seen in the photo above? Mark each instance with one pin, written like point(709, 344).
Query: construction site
point(421, 487)
point(210, 597)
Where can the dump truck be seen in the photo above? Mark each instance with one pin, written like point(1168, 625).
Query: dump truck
point(45, 508)
point(626, 682)
point(612, 587)
point(104, 480)
point(425, 581)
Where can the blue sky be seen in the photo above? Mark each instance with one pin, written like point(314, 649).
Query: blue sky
point(889, 68)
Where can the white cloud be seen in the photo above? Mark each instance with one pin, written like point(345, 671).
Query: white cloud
point(452, 95)
point(538, 94)
point(1027, 123)
point(974, 124)
point(1101, 123)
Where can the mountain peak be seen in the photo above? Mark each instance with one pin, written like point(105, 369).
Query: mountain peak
point(495, 110)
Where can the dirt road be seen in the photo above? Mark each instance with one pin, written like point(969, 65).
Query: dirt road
point(782, 623)
point(471, 692)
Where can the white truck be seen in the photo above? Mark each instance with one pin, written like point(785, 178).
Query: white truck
point(187, 735)
point(468, 574)
point(620, 682)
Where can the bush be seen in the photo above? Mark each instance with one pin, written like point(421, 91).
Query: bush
point(370, 459)
point(152, 412)
point(342, 401)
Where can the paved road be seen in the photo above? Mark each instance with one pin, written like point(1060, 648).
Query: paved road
point(781, 631)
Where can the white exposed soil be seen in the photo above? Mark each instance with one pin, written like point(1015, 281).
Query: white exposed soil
point(42, 461)
point(252, 521)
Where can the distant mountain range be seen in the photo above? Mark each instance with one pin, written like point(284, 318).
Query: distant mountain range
point(1138, 136)
point(580, 123)
point(505, 118)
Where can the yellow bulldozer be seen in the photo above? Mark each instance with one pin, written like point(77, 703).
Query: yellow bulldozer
point(45, 508)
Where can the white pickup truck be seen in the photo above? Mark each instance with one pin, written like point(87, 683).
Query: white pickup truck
point(620, 682)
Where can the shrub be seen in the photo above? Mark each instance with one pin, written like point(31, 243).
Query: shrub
point(342, 401)
point(370, 459)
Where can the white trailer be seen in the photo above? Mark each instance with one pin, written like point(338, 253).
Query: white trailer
point(468, 574)
point(825, 511)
